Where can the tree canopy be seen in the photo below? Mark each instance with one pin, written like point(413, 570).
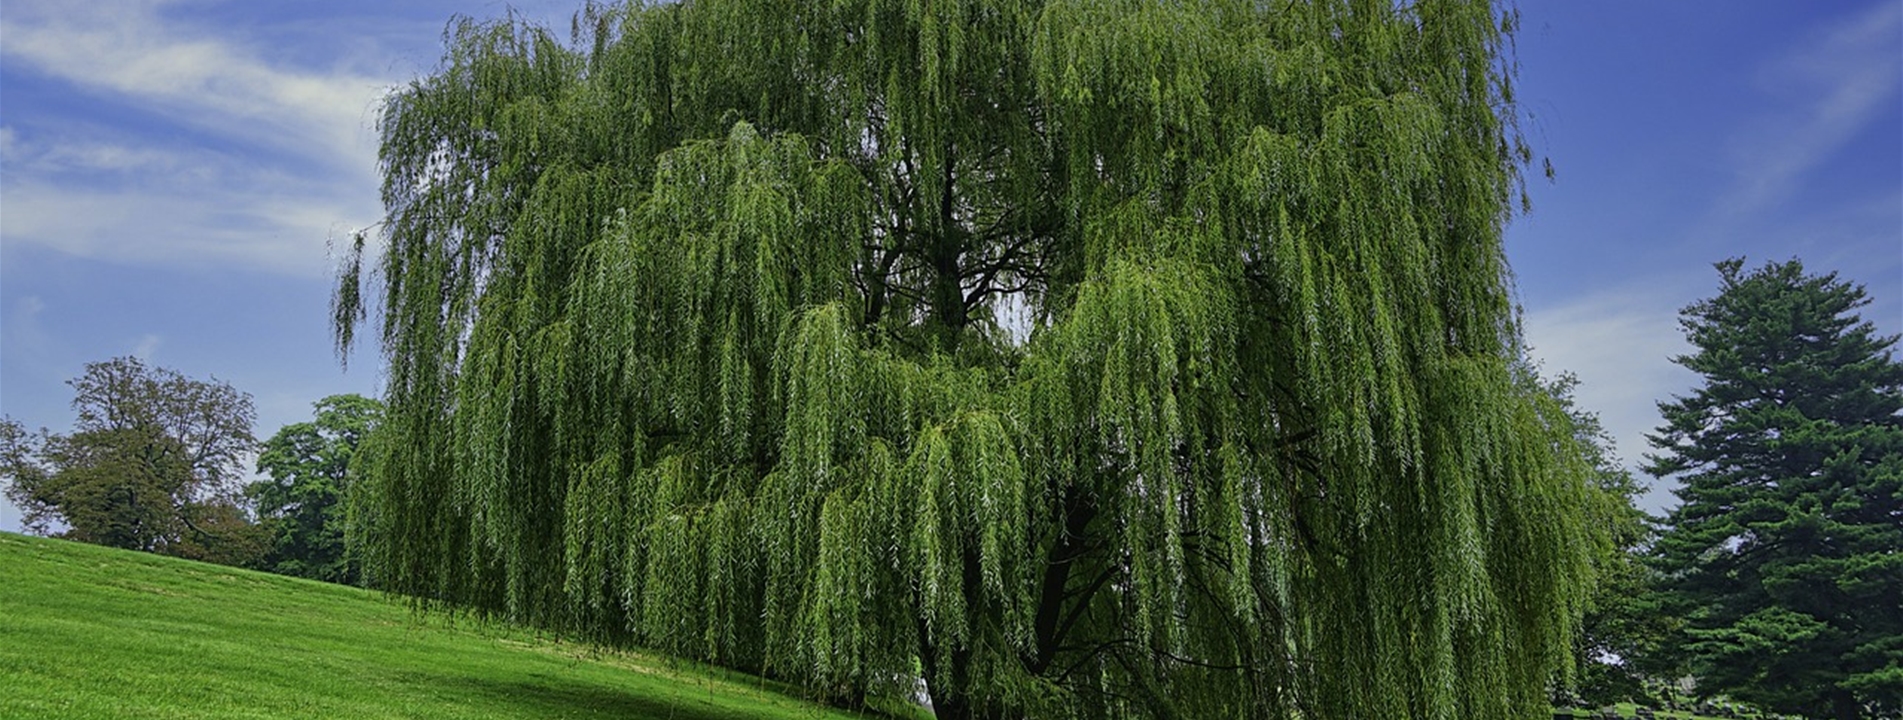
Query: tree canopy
point(1786, 555)
point(1617, 647)
point(303, 502)
point(150, 465)
point(1085, 358)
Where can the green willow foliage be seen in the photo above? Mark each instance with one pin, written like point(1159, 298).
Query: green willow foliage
point(1087, 358)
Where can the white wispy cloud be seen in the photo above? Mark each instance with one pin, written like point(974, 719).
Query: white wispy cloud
point(281, 226)
point(1620, 342)
point(148, 344)
point(75, 154)
point(1834, 86)
point(133, 50)
point(293, 163)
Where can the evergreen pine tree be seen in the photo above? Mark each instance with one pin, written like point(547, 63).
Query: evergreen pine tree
point(1785, 557)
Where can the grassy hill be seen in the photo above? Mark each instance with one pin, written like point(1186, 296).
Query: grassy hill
point(90, 632)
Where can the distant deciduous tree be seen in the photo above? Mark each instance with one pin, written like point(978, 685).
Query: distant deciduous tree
point(1622, 628)
point(150, 465)
point(1786, 556)
point(302, 503)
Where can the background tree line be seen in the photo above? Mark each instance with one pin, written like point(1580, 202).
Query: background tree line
point(156, 462)
point(152, 465)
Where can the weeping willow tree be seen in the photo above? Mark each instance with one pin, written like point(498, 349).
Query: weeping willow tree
point(1089, 358)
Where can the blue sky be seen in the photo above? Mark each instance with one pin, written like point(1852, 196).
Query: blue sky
point(173, 172)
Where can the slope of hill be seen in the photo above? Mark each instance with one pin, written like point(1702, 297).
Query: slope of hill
point(91, 632)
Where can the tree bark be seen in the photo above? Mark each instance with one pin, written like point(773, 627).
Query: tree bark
point(952, 699)
point(1048, 626)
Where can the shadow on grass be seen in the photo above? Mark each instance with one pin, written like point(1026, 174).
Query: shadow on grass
point(551, 696)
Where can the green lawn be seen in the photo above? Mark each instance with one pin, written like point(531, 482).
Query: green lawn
point(89, 632)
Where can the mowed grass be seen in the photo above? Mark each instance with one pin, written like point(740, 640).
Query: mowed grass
point(90, 632)
point(1629, 710)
